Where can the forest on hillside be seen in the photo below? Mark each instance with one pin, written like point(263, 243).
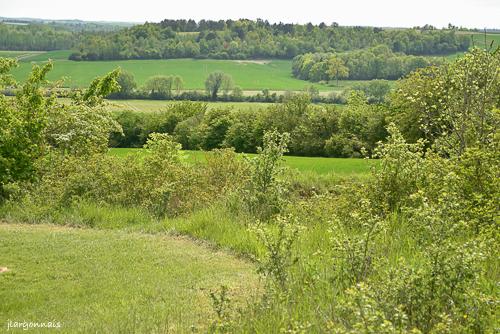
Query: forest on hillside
point(227, 39)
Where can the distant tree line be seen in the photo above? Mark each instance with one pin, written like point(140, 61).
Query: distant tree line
point(246, 39)
point(35, 37)
point(378, 62)
point(224, 39)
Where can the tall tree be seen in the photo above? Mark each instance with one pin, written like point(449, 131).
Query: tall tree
point(217, 81)
point(159, 86)
point(127, 84)
point(337, 68)
point(178, 84)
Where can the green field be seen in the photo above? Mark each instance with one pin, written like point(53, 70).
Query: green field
point(156, 105)
point(479, 40)
point(318, 165)
point(20, 54)
point(30, 56)
point(275, 75)
point(112, 281)
point(251, 76)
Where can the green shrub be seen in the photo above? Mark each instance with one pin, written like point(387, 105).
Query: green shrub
point(265, 194)
point(400, 172)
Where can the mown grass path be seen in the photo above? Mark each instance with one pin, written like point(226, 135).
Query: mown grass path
point(112, 281)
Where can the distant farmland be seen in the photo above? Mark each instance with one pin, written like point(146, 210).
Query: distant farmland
point(251, 75)
point(274, 75)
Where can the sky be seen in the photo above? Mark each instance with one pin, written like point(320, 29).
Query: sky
point(382, 13)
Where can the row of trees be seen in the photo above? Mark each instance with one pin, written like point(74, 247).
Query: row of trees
point(314, 130)
point(164, 87)
point(245, 39)
point(379, 62)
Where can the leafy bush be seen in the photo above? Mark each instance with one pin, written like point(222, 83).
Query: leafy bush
point(265, 194)
point(401, 170)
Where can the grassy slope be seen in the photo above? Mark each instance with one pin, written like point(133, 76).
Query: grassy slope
point(479, 40)
point(111, 281)
point(318, 165)
point(275, 75)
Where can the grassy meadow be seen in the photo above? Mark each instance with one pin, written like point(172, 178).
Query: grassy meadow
point(91, 280)
point(479, 39)
point(316, 165)
point(157, 105)
point(251, 75)
point(275, 75)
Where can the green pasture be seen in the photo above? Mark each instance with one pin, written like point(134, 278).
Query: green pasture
point(478, 39)
point(275, 75)
point(157, 105)
point(316, 165)
point(36, 56)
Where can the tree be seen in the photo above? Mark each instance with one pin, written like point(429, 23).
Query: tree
point(159, 86)
point(452, 105)
point(217, 81)
point(33, 124)
point(22, 125)
point(237, 93)
point(178, 84)
point(127, 84)
point(375, 90)
point(337, 68)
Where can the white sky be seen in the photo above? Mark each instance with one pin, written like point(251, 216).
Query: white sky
point(402, 13)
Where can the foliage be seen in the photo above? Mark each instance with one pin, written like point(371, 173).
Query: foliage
point(401, 171)
point(217, 81)
point(335, 69)
point(374, 90)
point(127, 84)
point(161, 86)
point(265, 194)
point(314, 130)
point(137, 126)
point(246, 39)
point(220, 303)
point(378, 62)
point(413, 249)
point(451, 105)
point(22, 127)
point(278, 239)
point(35, 37)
